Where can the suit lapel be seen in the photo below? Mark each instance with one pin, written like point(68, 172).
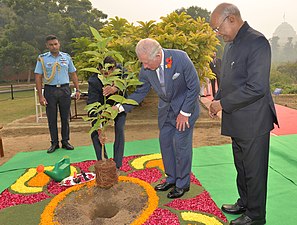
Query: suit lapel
point(168, 73)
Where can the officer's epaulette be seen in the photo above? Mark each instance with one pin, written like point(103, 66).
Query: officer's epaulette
point(65, 53)
point(44, 54)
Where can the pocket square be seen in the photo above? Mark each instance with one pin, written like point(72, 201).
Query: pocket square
point(175, 76)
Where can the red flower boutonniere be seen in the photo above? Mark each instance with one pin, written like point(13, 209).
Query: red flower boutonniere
point(168, 62)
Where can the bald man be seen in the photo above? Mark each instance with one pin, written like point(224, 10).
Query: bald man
point(248, 113)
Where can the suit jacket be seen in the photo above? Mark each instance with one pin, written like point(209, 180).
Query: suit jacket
point(181, 83)
point(216, 67)
point(95, 92)
point(248, 108)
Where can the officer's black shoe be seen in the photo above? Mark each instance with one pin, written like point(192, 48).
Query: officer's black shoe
point(67, 146)
point(53, 148)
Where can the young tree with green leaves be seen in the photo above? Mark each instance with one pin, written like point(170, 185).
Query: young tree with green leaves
point(101, 115)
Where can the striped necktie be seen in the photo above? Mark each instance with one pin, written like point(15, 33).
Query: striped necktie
point(161, 78)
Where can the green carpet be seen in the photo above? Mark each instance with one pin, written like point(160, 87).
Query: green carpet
point(16, 166)
point(212, 165)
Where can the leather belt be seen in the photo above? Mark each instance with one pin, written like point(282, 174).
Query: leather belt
point(57, 85)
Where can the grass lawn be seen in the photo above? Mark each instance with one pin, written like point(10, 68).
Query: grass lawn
point(21, 106)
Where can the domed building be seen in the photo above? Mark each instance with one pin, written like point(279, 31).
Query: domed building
point(283, 32)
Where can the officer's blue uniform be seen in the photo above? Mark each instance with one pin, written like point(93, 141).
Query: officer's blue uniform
point(57, 92)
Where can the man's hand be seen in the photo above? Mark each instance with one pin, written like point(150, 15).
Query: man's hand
point(42, 101)
point(214, 108)
point(77, 95)
point(115, 108)
point(182, 122)
point(109, 90)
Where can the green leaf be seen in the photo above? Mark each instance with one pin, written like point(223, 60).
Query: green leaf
point(113, 112)
point(134, 82)
point(119, 57)
point(93, 53)
point(119, 85)
point(91, 69)
point(91, 106)
point(105, 80)
point(95, 34)
point(92, 130)
point(106, 114)
point(116, 98)
point(130, 102)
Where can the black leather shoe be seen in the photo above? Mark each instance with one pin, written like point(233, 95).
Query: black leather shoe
point(53, 148)
point(164, 186)
point(245, 220)
point(233, 209)
point(67, 146)
point(177, 192)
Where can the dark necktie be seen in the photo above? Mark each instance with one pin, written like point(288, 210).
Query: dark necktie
point(162, 80)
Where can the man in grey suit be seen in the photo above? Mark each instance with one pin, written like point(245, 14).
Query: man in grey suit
point(248, 112)
point(172, 75)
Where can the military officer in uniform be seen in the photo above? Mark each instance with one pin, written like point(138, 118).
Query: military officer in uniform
point(53, 69)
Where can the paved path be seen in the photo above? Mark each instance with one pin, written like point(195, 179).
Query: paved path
point(287, 118)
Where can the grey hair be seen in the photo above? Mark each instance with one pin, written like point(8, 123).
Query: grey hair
point(148, 47)
point(231, 10)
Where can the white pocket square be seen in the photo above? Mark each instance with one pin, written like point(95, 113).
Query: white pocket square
point(175, 76)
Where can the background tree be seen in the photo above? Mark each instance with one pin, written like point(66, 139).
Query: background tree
point(284, 76)
point(175, 30)
point(288, 53)
point(195, 12)
point(275, 48)
point(35, 19)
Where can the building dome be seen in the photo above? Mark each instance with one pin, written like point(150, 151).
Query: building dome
point(283, 32)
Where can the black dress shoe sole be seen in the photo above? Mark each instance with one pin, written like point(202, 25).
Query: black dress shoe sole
point(243, 221)
point(52, 150)
point(233, 212)
point(171, 195)
point(168, 186)
point(67, 148)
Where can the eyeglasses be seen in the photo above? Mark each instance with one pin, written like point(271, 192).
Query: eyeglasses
point(217, 29)
point(110, 68)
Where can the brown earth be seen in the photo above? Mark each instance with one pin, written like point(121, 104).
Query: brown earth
point(120, 204)
point(26, 135)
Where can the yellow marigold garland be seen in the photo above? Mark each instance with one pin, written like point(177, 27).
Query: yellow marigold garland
point(20, 187)
point(34, 184)
point(138, 163)
point(201, 218)
point(152, 204)
point(39, 180)
point(155, 163)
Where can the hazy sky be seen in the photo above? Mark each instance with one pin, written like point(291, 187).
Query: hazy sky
point(263, 15)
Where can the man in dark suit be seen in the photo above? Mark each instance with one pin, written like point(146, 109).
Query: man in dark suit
point(96, 93)
point(215, 66)
point(248, 113)
point(172, 75)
